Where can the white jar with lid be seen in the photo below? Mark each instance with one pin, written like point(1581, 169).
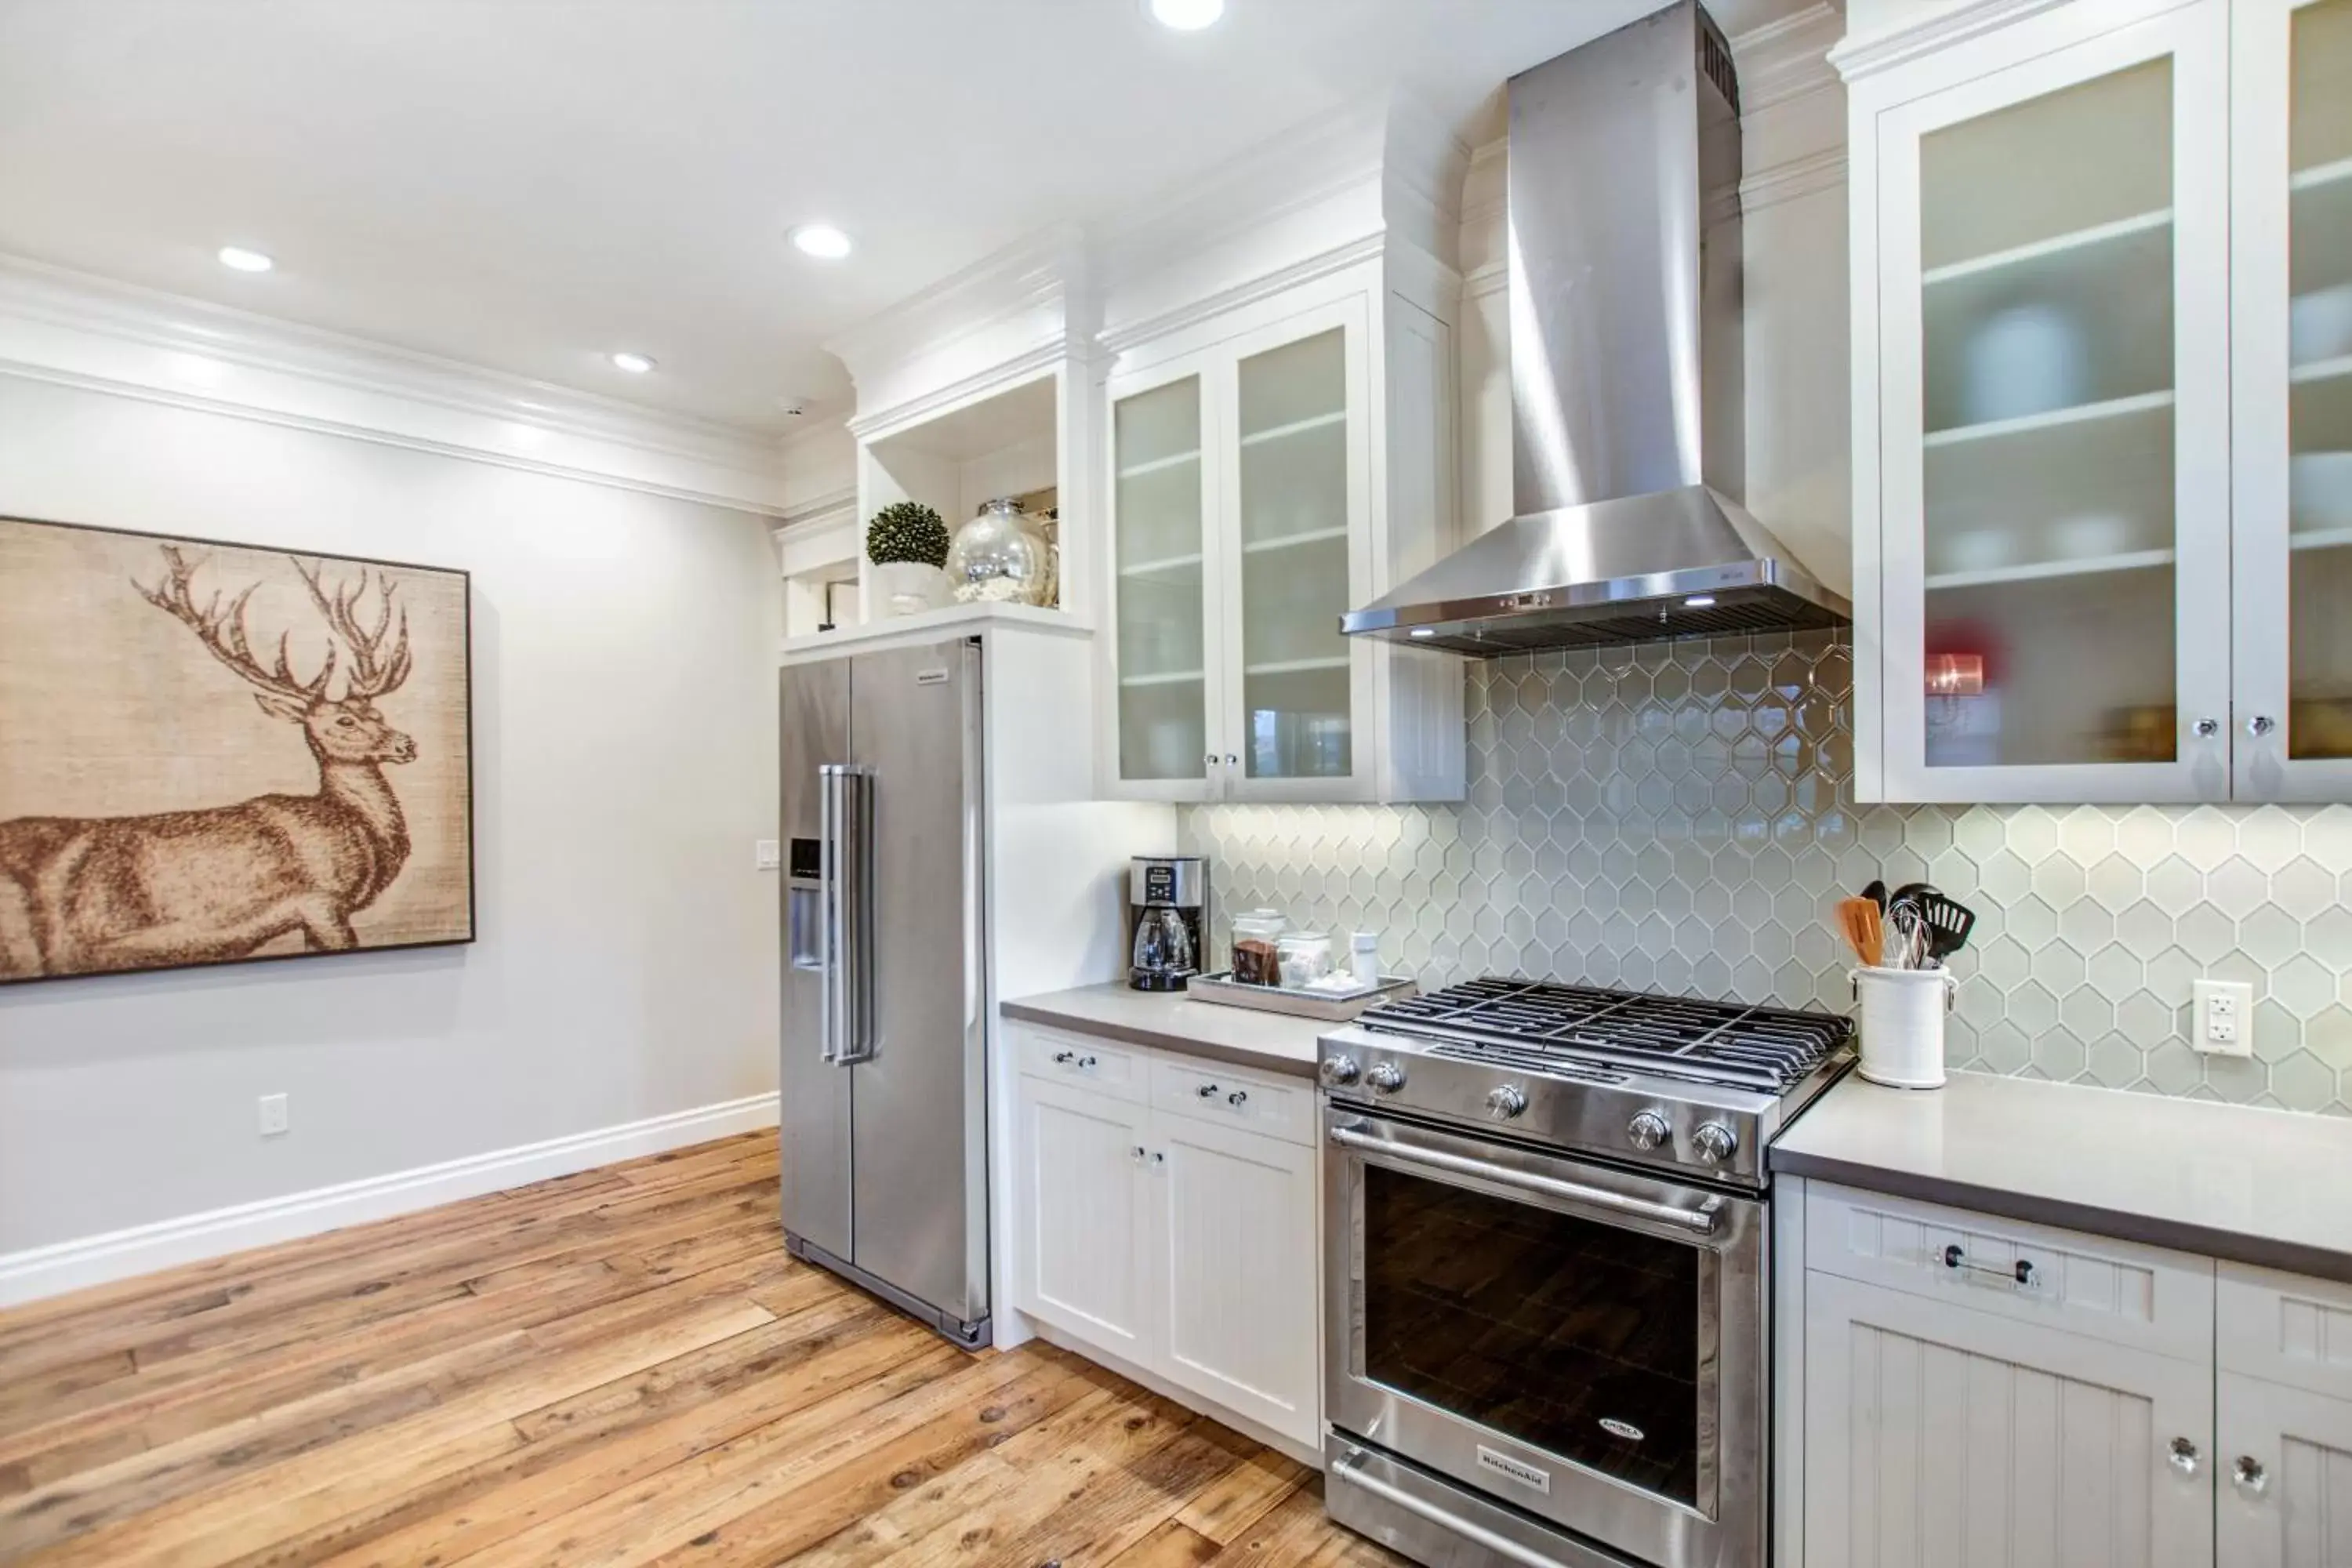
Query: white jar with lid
point(1364, 957)
point(1305, 957)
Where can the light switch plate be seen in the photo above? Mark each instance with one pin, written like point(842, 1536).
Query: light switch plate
point(2223, 1025)
point(273, 1115)
point(766, 854)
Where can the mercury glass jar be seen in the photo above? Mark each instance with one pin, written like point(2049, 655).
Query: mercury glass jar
point(999, 557)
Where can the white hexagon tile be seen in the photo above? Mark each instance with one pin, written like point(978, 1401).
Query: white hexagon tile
point(1680, 818)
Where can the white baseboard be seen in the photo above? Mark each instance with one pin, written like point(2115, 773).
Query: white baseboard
point(63, 1266)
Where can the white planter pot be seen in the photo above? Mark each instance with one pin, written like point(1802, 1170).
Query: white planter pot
point(908, 588)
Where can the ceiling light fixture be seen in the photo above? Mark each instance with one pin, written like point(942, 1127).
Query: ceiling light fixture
point(1187, 16)
point(636, 364)
point(238, 259)
point(821, 240)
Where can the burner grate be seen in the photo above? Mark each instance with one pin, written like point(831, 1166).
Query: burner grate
point(1765, 1048)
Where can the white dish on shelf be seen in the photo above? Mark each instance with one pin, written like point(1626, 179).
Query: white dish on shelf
point(2319, 324)
point(2319, 490)
point(2087, 535)
point(1980, 550)
point(2025, 360)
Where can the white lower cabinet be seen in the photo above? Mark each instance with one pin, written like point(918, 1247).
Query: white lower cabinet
point(1977, 1390)
point(1168, 1219)
point(1939, 1434)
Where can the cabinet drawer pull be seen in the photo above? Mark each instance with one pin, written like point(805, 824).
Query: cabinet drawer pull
point(2249, 1476)
point(1207, 1091)
point(1238, 1097)
point(2022, 1273)
point(2183, 1456)
point(1072, 1059)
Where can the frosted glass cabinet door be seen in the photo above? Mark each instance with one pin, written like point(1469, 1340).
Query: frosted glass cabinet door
point(2053, 249)
point(1297, 486)
point(1161, 554)
point(2293, 219)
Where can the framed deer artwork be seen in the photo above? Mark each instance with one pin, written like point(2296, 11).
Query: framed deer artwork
point(213, 753)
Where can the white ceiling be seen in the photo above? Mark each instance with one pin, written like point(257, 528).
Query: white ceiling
point(526, 184)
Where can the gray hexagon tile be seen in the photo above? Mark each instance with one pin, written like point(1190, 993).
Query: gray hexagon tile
point(1682, 817)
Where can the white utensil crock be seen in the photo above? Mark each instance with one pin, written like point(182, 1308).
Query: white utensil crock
point(1902, 1024)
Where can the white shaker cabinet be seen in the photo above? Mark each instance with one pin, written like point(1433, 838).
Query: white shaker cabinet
point(1270, 470)
point(2102, 406)
point(1164, 1215)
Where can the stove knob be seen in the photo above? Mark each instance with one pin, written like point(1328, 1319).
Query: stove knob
point(1506, 1100)
point(1648, 1130)
point(1386, 1077)
point(1339, 1070)
point(1714, 1143)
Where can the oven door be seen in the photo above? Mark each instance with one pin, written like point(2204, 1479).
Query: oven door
point(1582, 1342)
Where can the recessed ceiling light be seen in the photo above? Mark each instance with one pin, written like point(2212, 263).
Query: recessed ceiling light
point(238, 258)
point(1187, 16)
point(822, 240)
point(636, 364)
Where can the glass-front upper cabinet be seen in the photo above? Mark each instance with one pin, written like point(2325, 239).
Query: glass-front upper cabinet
point(2292, 207)
point(1296, 486)
point(1161, 546)
point(1241, 532)
point(2052, 378)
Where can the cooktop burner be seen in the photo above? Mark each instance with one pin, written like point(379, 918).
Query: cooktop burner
point(1583, 1031)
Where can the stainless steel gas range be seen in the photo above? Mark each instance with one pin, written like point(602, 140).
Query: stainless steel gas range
point(1548, 1267)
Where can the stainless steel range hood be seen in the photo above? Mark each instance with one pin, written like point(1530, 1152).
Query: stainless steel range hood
point(1627, 448)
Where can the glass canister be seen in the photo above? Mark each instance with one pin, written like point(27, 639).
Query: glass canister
point(1257, 936)
point(1304, 957)
point(1000, 557)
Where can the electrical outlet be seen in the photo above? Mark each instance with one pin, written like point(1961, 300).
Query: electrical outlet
point(2224, 1023)
point(767, 853)
point(274, 1116)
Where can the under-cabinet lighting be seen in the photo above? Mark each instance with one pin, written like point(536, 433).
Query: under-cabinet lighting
point(1699, 602)
point(1423, 632)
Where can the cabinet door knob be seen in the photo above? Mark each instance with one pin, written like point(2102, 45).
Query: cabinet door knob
point(1210, 761)
point(1084, 1062)
point(2260, 725)
point(1207, 1091)
point(2249, 1476)
point(1230, 759)
point(2183, 1456)
point(1138, 1153)
point(2207, 728)
point(1160, 1156)
point(1238, 1097)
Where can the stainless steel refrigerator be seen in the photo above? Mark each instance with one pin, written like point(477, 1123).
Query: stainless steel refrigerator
point(886, 979)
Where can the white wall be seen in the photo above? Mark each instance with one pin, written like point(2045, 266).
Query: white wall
point(624, 751)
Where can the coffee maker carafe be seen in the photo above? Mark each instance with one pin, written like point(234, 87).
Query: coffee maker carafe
point(1167, 900)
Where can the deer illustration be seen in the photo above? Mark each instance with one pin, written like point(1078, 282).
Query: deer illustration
point(200, 887)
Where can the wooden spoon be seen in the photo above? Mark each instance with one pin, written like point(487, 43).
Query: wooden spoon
point(1859, 921)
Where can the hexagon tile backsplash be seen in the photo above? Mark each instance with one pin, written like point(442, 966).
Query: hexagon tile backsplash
point(1680, 818)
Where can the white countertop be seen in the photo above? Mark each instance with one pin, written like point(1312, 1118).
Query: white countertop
point(1275, 1042)
point(2265, 1187)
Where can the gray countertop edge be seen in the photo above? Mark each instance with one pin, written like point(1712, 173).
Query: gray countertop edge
point(2178, 1236)
point(1161, 1039)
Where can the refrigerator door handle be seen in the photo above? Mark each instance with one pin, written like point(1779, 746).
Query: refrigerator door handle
point(828, 919)
point(849, 794)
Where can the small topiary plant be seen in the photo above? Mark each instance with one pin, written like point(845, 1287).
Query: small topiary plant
point(906, 531)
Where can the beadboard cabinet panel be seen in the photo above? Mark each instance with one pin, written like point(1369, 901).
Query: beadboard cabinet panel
point(1940, 1435)
point(1081, 1168)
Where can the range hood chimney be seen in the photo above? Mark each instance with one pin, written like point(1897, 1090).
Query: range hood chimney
point(1627, 448)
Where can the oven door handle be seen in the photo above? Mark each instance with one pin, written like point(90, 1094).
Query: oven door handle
point(1700, 1221)
point(1350, 1469)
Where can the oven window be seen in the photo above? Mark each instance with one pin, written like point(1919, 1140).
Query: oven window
point(1571, 1336)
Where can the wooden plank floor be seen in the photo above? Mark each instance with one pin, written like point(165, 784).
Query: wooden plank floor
point(620, 1366)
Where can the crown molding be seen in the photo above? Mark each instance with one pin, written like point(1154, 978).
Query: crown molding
point(1042, 278)
point(71, 329)
point(817, 512)
point(1040, 361)
point(1789, 58)
point(1822, 171)
point(1855, 58)
point(1338, 259)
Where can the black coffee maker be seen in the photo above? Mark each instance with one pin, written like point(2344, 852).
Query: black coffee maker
point(1167, 906)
